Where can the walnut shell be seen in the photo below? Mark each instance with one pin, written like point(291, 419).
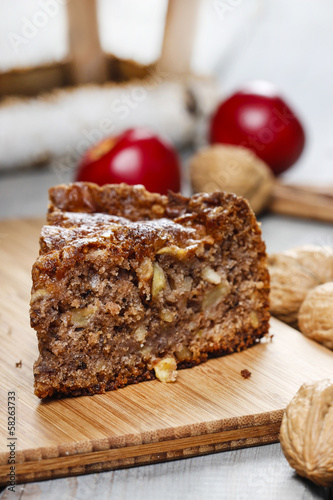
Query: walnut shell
point(233, 169)
point(317, 260)
point(293, 274)
point(315, 317)
point(306, 435)
point(290, 283)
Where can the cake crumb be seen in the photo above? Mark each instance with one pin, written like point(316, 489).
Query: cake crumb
point(246, 373)
point(19, 364)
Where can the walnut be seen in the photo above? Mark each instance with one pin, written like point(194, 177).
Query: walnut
point(187, 284)
point(140, 333)
point(254, 320)
point(306, 435)
point(40, 293)
point(146, 354)
point(184, 354)
point(81, 317)
point(293, 274)
point(166, 369)
point(167, 315)
point(318, 260)
point(211, 276)
point(234, 169)
point(315, 317)
point(215, 295)
point(290, 283)
point(145, 270)
point(159, 280)
point(179, 253)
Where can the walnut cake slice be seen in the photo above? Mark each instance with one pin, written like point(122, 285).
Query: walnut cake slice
point(131, 285)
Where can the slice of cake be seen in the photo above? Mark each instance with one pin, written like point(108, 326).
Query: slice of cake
point(131, 285)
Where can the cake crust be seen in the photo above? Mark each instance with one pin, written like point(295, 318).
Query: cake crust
point(126, 279)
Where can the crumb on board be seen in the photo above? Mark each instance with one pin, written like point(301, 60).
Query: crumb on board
point(246, 373)
point(271, 337)
point(19, 364)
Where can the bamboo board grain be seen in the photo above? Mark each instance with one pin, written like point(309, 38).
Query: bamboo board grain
point(210, 407)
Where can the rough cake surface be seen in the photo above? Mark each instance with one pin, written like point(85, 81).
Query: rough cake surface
point(130, 285)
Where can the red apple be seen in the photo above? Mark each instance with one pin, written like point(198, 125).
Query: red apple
point(258, 118)
point(136, 156)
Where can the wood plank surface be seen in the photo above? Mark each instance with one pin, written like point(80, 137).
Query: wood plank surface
point(210, 408)
point(87, 59)
point(177, 50)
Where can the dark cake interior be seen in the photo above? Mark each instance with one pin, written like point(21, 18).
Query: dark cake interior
point(130, 285)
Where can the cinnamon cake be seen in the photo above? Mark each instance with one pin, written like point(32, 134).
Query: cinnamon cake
point(130, 285)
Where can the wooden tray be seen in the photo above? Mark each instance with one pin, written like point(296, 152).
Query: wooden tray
point(210, 408)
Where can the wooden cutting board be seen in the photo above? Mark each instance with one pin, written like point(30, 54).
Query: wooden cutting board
point(210, 408)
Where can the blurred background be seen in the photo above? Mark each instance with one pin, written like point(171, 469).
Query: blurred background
point(48, 44)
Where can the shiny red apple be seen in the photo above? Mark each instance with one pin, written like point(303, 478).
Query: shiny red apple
point(258, 118)
point(136, 156)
